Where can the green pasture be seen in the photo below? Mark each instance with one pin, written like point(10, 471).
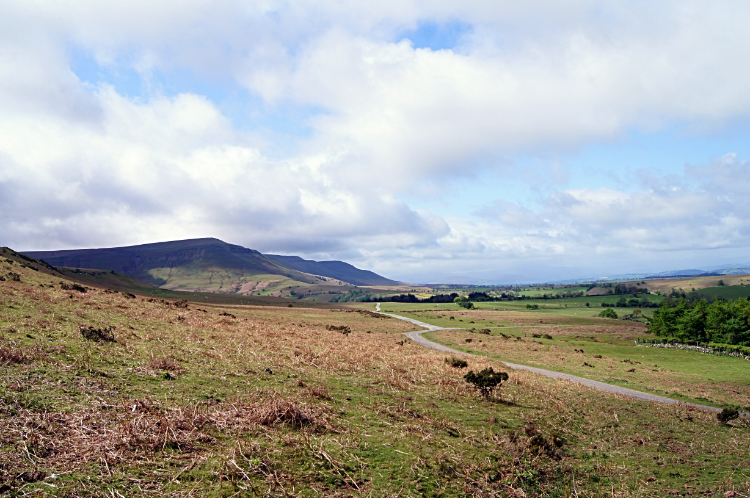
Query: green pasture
point(713, 380)
point(727, 291)
point(569, 308)
point(534, 291)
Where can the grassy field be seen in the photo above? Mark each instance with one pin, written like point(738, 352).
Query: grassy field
point(218, 400)
point(572, 307)
point(594, 348)
point(667, 284)
point(726, 292)
point(536, 291)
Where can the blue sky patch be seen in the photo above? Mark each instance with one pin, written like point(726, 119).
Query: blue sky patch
point(436, 36)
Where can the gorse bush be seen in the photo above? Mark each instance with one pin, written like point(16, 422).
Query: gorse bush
point(72, 286)
point(103, 334)
point(456, 362)
point(727, 414)
point(486, 381)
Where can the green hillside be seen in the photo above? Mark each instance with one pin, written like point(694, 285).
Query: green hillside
point(205, 265)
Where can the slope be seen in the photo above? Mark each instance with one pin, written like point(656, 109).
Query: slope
point(208, 265)
point(333, 269)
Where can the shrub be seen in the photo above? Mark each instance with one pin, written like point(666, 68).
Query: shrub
point(103, 334)
point(73, 286)
point(727, 414)
point(456, 362)
point(340, 328)
point(608, 313)
point(486, 381)
point(532, 306)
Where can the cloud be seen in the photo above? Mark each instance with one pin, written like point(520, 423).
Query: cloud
point(85, 162)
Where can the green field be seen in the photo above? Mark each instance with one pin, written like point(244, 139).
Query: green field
point(570, 307)
point(683, 375)
point(726, 292)
point(534, 291)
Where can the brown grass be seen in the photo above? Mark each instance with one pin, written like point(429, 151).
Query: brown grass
point(165, 364)
point(13, 354)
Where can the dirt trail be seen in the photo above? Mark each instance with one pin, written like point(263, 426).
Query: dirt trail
point(599, 386)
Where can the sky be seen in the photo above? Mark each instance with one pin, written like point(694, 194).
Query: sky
point(442, 141)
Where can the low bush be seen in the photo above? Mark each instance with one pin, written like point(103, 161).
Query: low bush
point(727, 414)
point(486, 381)
point(340, 328)
point(103, 334)
point(456, 362)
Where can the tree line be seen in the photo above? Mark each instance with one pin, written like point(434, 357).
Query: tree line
point(720, 321)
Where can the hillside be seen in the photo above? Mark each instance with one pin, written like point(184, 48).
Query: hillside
point(203, 265)
point(333, 269)
point(687, 284)
point(213, 266)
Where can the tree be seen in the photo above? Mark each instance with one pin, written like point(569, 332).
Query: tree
point(608, 313)
point(486, 380)
point(721, 283)
point(464, 302)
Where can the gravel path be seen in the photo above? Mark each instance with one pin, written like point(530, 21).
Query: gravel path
point(599, 386)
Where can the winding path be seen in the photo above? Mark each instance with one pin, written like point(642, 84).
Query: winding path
point(599, 386)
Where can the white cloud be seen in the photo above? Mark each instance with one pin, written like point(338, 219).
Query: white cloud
point(84, 164)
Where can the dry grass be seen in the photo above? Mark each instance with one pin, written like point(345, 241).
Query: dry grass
point(165, 365)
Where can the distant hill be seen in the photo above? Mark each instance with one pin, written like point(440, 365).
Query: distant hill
point(211, 265)
point(333, 269)
point(197, 264)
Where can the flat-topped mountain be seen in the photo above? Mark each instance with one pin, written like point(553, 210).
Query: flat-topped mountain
point(211, 265)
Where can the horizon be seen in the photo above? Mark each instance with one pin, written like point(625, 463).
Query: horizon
point(498, 142)
point(582, 279)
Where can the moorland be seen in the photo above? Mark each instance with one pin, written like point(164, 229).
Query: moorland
point(154, 392)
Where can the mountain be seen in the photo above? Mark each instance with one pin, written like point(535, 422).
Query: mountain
point(211, 265)
point(333, 269)
point(197, 264)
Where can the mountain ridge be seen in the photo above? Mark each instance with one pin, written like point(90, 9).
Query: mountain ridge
point(211, 265)
point(334, 269)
